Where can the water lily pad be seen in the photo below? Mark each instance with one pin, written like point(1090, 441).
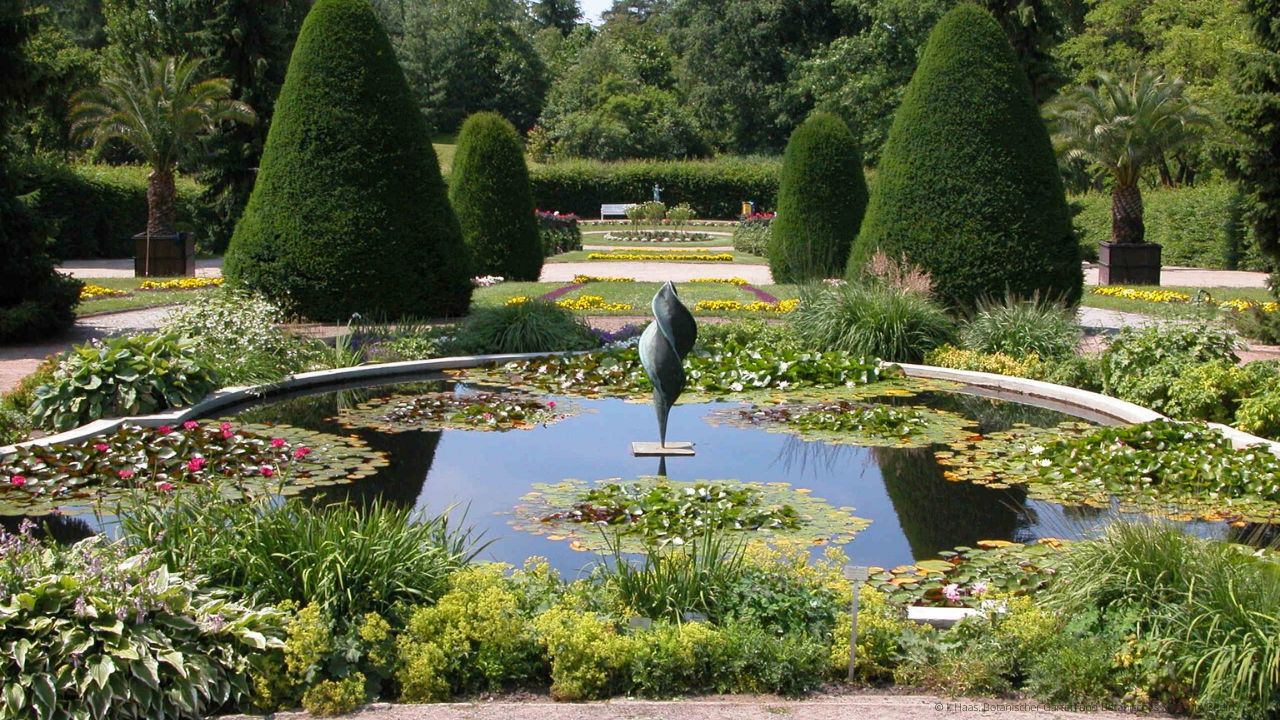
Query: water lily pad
point(658, 511)
point(852, 423)
point(484, 411)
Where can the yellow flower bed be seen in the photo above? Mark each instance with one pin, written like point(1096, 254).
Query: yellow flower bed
point(582, 279)
point(727, 281)
point(1241, 305)
point(667, 256)
point(584, 302)
point(783, 306)
point(97, 292)
point(1156, 296)
point(591, 302)
point(186, 283)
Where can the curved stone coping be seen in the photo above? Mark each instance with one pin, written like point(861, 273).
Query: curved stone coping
point(232, 396)
point(1072, 400)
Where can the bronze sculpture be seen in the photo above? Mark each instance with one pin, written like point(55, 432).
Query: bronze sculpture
point(663, 347)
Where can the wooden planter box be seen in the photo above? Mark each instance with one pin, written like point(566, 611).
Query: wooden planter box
point(170, 255)
point(1129, 264)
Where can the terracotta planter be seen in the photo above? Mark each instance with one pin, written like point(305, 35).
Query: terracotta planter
point(166, 256)
point(1129, 264)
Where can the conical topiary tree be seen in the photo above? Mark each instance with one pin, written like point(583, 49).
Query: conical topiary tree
point(489, 189)
point(349, 212)
point(968, 187)
point(821, 198)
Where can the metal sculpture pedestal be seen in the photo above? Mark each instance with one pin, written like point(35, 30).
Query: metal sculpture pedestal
point(653, 449)
point(663, 347)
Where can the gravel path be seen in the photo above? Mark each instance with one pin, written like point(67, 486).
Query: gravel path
point(123, 268)
point(1195, 277)
point(18, 361)
point(847, 707)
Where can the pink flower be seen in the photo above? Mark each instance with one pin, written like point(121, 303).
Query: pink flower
point(196, 464)
point(488, 416)
point(301, 453)
point(102, 447)
point(267, 471)
point(190, 425)
point(951, 592)
point(227, 432)
point(164, 429)
point(979, 588)
point(277, 442)
point(17, 481)
point(164, 487)
point(126, 474)
point(551, 404)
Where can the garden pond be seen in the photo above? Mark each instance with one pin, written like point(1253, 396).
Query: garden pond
point(894, 471)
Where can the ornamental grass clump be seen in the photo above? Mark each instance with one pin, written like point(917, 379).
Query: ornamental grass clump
point(1202, 611)
point(1022, 326)
point(524, 327)
point(872, 319)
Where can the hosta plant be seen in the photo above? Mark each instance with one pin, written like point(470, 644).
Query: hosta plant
point(93, 632)
point(133, 375)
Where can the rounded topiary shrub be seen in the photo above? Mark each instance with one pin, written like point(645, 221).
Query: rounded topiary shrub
point(489, 189)
point(968, 187)
point(821, 198)
point(349, 212)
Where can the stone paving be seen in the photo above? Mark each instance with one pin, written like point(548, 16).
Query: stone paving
point(656, 271)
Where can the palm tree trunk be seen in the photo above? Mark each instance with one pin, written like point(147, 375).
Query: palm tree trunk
point(1126, 215)
point(161, 201)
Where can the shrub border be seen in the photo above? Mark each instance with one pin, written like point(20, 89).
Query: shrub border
point(1074, 401)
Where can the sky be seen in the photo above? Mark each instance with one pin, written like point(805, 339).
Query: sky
point(591, 9)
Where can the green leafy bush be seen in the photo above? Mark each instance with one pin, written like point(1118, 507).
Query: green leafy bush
point(95, 210)
point(489, 190)
point(239, 337)
point(715, 188)
point(131, 375)
point(349, 212)
point(1257, 324)
point(343, 559)
point(36, 301)
point(532, 326)
point(968, 186)
point(821, 198)
point(91, 631)
point(1260, 413)
point(335, 697)
point(867, 318)
point(752, 234)
point(1196, 226)
point(1139, 365)
point(1019, 327)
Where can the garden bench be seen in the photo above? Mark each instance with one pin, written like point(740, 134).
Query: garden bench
point(619, 209)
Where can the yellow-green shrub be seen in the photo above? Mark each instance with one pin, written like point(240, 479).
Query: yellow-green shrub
point(589, 657)
point(880, 627)
point(949, 356)
point(674, 659)
point(335, 697)
point(480, 630)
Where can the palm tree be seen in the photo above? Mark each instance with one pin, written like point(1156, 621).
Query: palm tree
point(1120, 125)
point(159, 107)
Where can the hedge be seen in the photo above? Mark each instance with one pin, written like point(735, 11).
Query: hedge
point(93, 211)
point(349, 212)
point(715, 188)
point(968, 186)
point(1197, 226)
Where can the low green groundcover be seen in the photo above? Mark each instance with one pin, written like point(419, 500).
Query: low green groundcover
point(968, 577)
point(656, 511)
point(1182, 471)
point(849, 422)
point(452, 410)
point(71, 477)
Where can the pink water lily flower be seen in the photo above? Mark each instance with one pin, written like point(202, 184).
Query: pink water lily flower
point(301, 452)
point(164, 429)
point(277, 442)
point(951, 592)
point(190, 425)
point(17, 481)
point(267, 471)
point(126, 474)
point(196, 464)
point(102, 447)
point(164, 487)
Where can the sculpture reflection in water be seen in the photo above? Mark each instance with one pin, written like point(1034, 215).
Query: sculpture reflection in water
point(663, 347)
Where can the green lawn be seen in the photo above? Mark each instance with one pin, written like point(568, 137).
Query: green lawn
point(137, 300)
point(739, 258)
point(636, 294)
point(446, 146)
point(1174, 310)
